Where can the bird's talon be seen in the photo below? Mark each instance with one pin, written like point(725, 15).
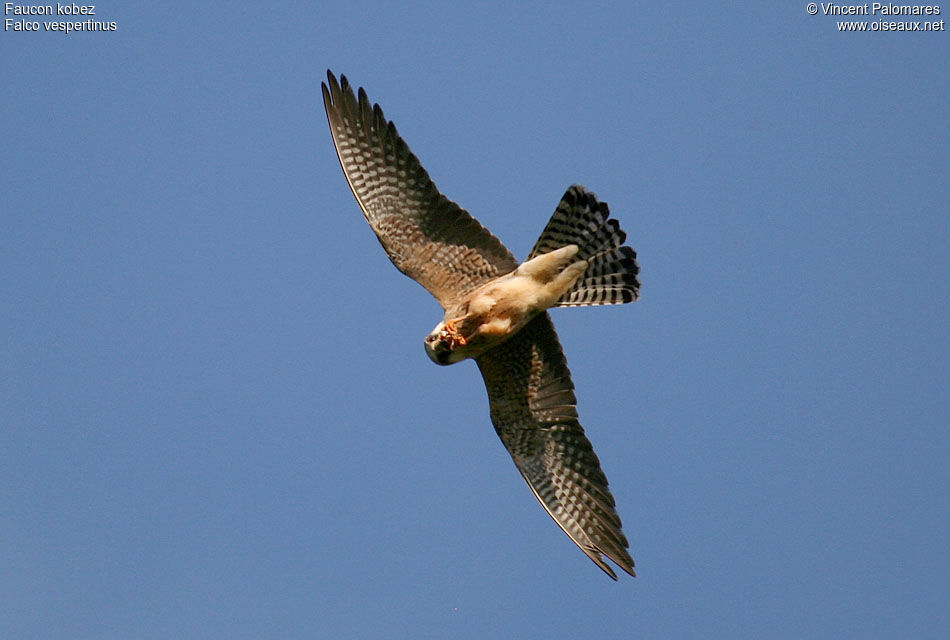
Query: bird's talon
point(452, 336)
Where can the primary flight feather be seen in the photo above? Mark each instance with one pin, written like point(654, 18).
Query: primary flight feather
point(496, 309)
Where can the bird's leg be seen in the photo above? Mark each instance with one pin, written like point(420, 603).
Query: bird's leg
point(499, 326)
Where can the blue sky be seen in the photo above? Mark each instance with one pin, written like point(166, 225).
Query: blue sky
point(216, 415)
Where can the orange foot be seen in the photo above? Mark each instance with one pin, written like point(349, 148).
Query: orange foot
point(451, 334)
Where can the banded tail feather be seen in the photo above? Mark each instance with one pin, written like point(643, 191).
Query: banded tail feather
point(612, 275)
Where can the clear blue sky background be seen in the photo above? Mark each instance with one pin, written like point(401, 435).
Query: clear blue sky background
point(216, 416)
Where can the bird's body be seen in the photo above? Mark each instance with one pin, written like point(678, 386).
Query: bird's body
point(496, 309)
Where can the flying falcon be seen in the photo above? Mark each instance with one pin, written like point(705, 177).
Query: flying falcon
point(496, 309)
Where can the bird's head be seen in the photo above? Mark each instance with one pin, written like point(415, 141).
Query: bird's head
point(443, 346)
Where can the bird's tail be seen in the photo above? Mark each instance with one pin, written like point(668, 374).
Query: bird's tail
point(612, 272)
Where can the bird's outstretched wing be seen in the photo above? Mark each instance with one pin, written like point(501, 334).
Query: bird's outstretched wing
point(534, 411)
point(427, 236)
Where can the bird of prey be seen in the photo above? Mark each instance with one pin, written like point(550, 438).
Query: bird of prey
point(496, 309)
